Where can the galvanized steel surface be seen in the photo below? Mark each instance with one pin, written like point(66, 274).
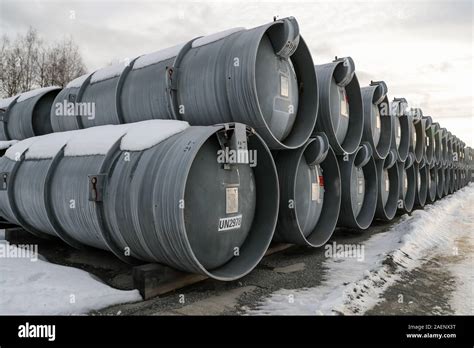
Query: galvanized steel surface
point(262, 77)
point(139, 215)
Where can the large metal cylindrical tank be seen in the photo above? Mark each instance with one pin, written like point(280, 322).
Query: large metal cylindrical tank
point(310, 193)
point(470, 164)
point(444, 146)
point(340, 114)
point(401, 127)
point(138, 191)
point(418, 134)
point(432, 183)
point(388, 184)
point(421, 183)
point(440, 184)
point(358, 187)
point(377, 121)
point(437, 143)
point(455, 179)
point(447, 180)
point(27, 114)
point(449, 148)
point(429, 140)
point(262, 77)
point(406, 175)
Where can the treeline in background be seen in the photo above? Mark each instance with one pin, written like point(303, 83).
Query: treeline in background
point(27, 61)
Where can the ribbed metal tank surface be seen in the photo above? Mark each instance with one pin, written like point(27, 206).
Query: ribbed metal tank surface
point(310, 193)
point(340, 114)
point(171, 202)
point(358, 187)
point(27, 114)
point(377, 118)
point(401, 122)
point(387, 186)
point(407, 181)
point(262, 77)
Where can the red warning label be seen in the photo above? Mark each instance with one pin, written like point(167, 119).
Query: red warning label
point(321, 181)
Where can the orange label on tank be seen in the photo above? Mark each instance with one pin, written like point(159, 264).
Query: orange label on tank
point(321, 181)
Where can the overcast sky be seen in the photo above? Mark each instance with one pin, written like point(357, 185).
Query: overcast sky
point(422, 49)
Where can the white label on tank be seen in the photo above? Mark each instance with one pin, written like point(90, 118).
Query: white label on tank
point(398, 132)
point(344, 103)
point(231, 200)
point(387, 185)
point(361, 186)
point(315, 192)
point(284, 86)
point(378, 122)
point(406, 182)
point(427, 141)
point(230, 223)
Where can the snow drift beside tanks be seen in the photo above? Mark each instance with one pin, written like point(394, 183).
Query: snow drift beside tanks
point(124, 158)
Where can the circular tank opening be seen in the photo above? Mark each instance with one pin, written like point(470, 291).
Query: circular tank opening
point(376, 124)
point(309, 196)
point(219, 206)
point(385, 186)
point(405, 183)
point(277, 89)
point(339, 110)
point(398, 131)
point(357, 190)
point(414, 139)
point(418, 179)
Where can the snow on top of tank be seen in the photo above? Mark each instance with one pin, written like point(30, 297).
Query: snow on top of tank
point(78, 81)
point(6, 144)
point(108, 72)
point(97, 140)
point(146, 134)
point(135, 137)
point(48, 146)
point(33, 93)
point(15, 151)
point(214, 37)
point(5, 103)
point(156, 57)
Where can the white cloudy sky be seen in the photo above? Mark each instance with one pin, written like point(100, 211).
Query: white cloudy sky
point(422, 49)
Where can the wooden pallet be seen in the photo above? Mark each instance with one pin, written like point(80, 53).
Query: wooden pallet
point(150, 279)
point(155, 279)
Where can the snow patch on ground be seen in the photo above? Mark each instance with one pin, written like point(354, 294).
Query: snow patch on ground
point(42, 288)
point(352, 287)
point(462, 298)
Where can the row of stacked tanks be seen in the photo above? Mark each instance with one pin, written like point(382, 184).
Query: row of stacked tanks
point(199, 155)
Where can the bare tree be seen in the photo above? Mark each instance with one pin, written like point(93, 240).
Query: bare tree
point(60, 64)
point(18, 59)
point(27, 63)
